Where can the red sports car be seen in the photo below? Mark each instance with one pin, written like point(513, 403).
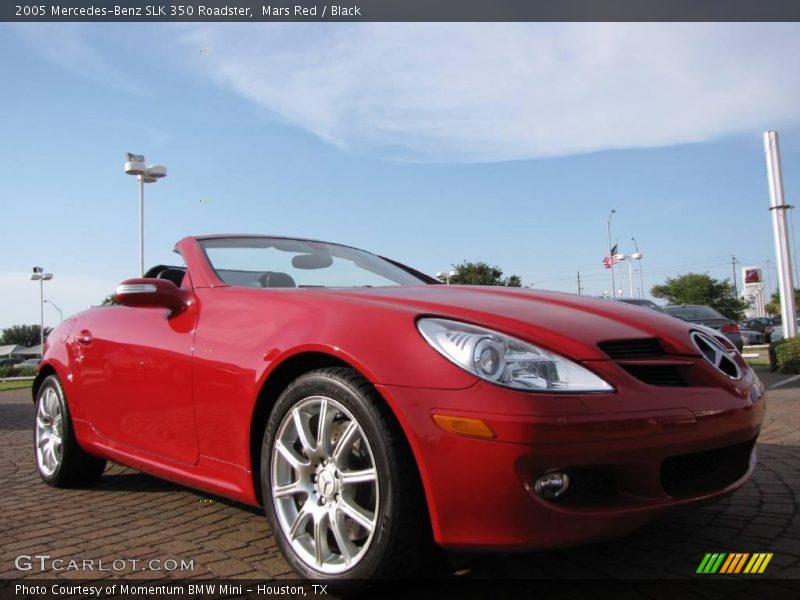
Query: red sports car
point(370, 409)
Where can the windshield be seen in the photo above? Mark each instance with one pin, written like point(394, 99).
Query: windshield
point(278, 262)
point(694, 313)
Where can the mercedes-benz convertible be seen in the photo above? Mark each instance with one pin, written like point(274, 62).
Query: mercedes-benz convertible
point(373, 411)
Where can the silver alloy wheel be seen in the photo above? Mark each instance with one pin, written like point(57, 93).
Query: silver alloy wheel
point(49, 431)
point(325, 485)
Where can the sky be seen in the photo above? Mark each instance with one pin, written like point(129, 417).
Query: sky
point(429, 143)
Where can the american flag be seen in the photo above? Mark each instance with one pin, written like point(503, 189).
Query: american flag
point(612, 258)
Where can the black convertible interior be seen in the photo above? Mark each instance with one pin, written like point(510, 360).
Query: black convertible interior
point(170, 273)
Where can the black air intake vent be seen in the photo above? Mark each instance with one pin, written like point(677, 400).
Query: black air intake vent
point(641, 348)
point(707, 471)
point(661, 375)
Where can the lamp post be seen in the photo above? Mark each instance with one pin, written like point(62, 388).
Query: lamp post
point(608, 224)
point(60, 313)
point(638, 256)
point(630, 259)
point(446, 275)
point(40, 276)
point(135, 165)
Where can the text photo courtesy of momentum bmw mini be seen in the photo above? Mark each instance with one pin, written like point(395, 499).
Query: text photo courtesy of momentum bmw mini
point(373, 412)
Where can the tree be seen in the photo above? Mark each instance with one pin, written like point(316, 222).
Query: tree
point(773, 307)
point(23, 335)
point(696, 288)
point(480, 273)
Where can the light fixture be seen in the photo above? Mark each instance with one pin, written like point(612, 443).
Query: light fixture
point(135, 165)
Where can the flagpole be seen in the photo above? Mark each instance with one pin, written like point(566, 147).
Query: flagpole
point(613, 284)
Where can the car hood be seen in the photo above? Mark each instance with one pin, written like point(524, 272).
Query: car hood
point(566, 323)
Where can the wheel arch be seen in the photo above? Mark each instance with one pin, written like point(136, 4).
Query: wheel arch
point(44, 372)
point(279, 378)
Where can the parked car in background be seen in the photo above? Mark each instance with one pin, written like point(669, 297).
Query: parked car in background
point(10, 362)
point(777, 328)
point(31, 362)
point(643, 303)
point(705, 315)
point(751, 337)
point(761, 324)
point(650, 305)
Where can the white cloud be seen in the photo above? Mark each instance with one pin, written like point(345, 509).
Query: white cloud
point(69, 46)
point(484, 92)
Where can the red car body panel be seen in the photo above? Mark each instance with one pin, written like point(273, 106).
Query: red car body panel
point(176, 395)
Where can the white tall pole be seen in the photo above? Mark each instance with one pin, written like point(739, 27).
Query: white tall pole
point(41, 315)
point(141, 225)
point(783, 256)
point(630, 274)
point(611, 258)
point(641, 276)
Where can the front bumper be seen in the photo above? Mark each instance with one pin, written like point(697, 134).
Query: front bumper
point(631, 456)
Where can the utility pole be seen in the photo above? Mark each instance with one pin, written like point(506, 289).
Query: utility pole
point(610, 257)
point(733, 265)
point(579, 282)
point(638, 257)
point(783, 255)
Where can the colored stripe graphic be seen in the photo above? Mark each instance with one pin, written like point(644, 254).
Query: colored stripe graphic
point(711, 562)
point(758, 563)
point(734, 563)
point(741, 562)
point(703, 563)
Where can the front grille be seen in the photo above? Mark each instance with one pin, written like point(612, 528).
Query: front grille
point(639, 348)
point(660, 375)
point(706, 471)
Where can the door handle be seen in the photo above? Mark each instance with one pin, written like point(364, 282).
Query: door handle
point(85, 337)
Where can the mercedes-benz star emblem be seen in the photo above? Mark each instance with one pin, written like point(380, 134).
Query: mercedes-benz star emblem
point(715, 354)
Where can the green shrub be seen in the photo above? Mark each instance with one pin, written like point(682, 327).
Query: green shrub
point(787, 356)
point(17, 371)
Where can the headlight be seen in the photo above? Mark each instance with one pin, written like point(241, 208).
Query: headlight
point(505, 360)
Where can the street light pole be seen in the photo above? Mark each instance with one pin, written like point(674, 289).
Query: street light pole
point(60, 313)
point(141, 225)
point(630, 274)
point(135, 165)
point(638, 256)
point(446, 275)
point(611, 258)
point(40, 276)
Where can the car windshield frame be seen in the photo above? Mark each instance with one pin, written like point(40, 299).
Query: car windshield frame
point(375, 270)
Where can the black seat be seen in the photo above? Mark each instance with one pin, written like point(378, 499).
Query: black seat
point(276, 279)
point(173, 275)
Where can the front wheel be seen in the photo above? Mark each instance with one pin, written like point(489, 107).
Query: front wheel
point(339, 483)
point(61, 462)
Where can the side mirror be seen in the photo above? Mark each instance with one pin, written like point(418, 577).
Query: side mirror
point(149, 293)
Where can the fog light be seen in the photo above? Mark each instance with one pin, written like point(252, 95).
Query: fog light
point(551, 485)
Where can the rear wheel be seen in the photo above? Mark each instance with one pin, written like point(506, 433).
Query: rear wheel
point(339, 483)
point(61, 462)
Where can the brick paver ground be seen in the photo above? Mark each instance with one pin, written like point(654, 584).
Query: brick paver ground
point(129, 515)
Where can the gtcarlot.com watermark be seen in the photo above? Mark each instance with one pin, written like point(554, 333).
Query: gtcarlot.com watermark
point(44, 562)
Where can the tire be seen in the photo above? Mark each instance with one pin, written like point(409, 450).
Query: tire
point(60, 461)
point(310, 488)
